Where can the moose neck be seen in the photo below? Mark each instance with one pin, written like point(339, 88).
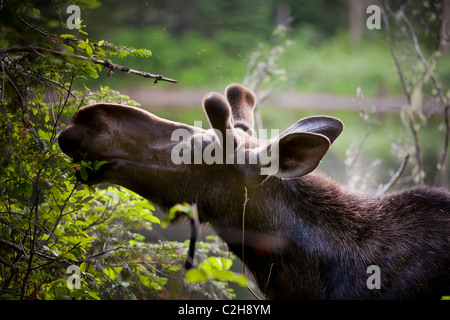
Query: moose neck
point(311, 202)
point(287, 225)
point(274, 228)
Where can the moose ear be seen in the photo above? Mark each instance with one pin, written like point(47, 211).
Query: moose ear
point(298, 153)
point(299, 149)
point(330, 127)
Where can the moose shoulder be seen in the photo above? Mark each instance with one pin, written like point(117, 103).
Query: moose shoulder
point(306, 237)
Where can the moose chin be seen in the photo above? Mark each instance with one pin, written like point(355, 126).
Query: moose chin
point(305, 237)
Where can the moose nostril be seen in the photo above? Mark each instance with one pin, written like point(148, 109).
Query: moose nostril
point(70, 140)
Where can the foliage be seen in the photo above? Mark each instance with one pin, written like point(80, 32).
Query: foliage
point(51, 224)
point(215, 268)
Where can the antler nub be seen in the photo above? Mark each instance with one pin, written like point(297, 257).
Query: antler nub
point(218, 112)
point(242, 101)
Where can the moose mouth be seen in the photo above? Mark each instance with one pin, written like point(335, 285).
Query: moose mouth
point(89, 175)
point(89, 170)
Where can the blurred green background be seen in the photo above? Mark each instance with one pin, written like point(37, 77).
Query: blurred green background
point(208, 44)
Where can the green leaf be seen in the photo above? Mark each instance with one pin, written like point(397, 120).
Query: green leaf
point(99, 164)
point(42, 134)
point(215, 268)
point(67, 36)
point(220, 263)
point(83, 174)
point(70, 256)
point(133, 243)
point(84, 163)
point(61, 296)
point(139, 237)
point(151, 218)
point(93, 295)
point(112, 272)
point(45, 237)
point(239, 278)
point(176, 209)
point(82, 31)
point(195, 275)
point(91, 71)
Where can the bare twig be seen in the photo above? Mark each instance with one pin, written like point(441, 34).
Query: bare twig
point(13, 246)
point(38, 30)
point(441, 163)
point(351, 161)
point(406, 90)
point(388, 186)
point(106, 63)
point(393, 54)
point(9, 264)
point(243, 244)
point(243, 230)
point(103, 252)
point(262, 67)
point(428, 71)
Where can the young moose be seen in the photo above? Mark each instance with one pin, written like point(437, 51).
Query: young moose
point(305, 236)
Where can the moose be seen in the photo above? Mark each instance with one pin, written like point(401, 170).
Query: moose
point(299, 233)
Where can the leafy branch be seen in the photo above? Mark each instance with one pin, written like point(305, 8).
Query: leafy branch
point(106, 63)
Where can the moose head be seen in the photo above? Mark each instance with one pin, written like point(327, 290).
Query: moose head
point(145, 154)
point(304, 236)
